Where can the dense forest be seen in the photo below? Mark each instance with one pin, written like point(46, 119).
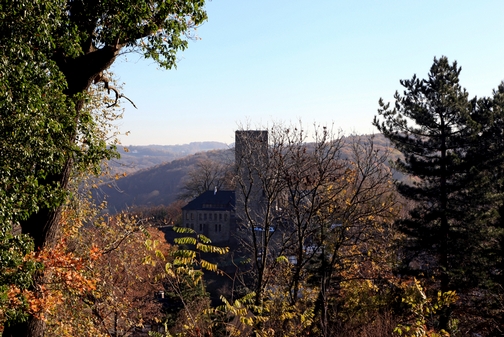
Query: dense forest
point(398, 234)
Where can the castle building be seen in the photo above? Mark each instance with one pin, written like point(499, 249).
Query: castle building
point(212, 214)
point(216, 214)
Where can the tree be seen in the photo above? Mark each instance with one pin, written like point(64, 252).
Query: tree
point(308, 215)
point(486, 180)
point(160, 216)
point(100, 278)
point(356, 249)
point(47, 75)
point(16, 274)
point(51, 54)
point(207, 175)
point(128, 270)
point(436, 127)
point(257, 211)
point(189, 302)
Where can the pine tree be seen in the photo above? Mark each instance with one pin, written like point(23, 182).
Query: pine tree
point(435, 127)
point(487, 183)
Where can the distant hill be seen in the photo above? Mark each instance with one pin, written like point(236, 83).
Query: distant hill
point(138, 157)
point(160, 184)
point(157, 185)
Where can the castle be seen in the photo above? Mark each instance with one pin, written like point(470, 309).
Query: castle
point(212, 214)
point(216, 213)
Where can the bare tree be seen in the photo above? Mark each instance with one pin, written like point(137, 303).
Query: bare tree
point(310, 175)
point(364, 209)
point(258, 191)
point(206, 175)
point(301, 198)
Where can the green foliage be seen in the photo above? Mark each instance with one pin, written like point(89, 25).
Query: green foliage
point(433, 126)
point(275, 316)
point(44, 124)
point(34, 119)
point(202, 244)
point(155, 28)
point(186, 291)
point(51, 53)
point(34, 114)
point(421, 307)
point(40, 130)
point(240, 316)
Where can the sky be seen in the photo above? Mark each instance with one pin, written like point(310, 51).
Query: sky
point(327, 62)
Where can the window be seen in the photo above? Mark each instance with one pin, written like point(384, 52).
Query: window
point(220, 216)
point(225, 217)
point(220, 228)
point(200, 216)
point(216, 227)
point(187, 216)
point(192, 216)
point(200, 227)
point(204, 216)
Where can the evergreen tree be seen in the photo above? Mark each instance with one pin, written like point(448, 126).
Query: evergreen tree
point(487, 183)
point(435, 125)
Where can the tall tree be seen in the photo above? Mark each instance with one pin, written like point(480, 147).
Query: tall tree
point(51, 53)
point(486, 182)
point(434, 124)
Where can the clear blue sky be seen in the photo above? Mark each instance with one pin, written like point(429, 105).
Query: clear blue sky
point(324, 61)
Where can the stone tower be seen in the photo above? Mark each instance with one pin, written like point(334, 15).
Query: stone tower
point(251, 160)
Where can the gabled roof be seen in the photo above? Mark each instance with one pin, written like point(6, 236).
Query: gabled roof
point(213, 201)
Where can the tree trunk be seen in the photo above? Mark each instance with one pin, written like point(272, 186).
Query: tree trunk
point(41, 226)
point(445, 313)
point(32, 327)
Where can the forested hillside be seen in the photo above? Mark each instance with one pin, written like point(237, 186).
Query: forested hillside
point(139, 157)
point(157, 185)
